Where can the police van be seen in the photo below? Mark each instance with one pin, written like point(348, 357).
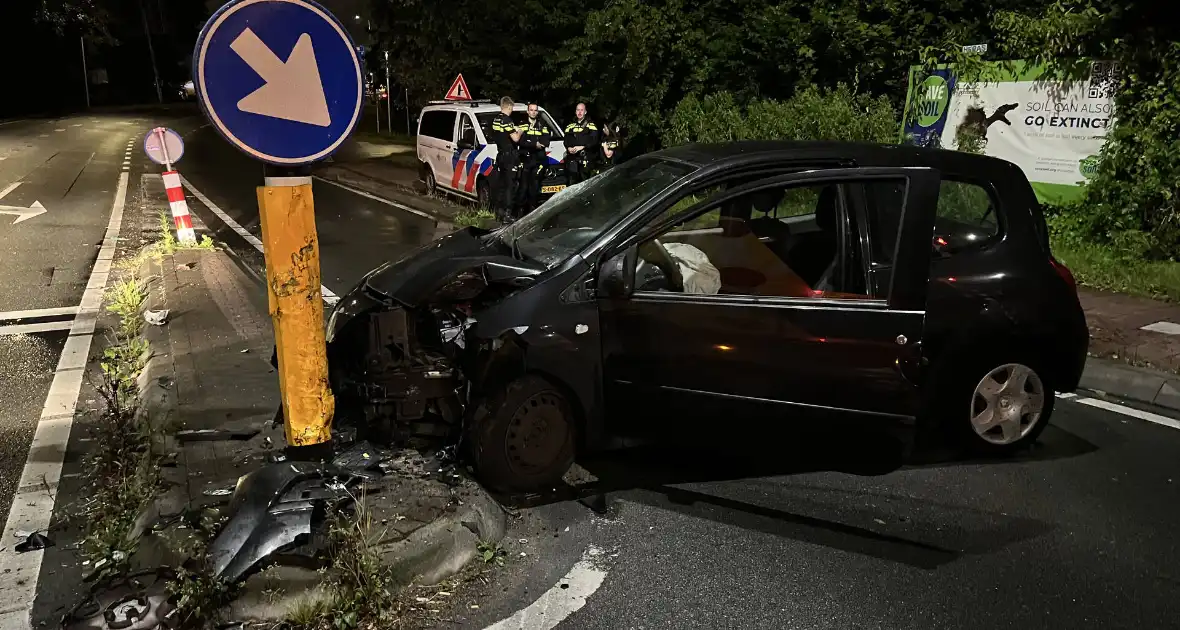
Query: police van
point(457, 157)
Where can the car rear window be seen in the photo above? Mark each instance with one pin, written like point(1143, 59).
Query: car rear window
point(966, 215)
point(438, 124)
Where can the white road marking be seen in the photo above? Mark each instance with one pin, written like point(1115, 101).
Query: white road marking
point(39, 312)
point(1168, 328)
point(32, 507)
point(557, 603)
point(28, 329)
point(11, 187)
point(1154, 418)
point(376, 198)
point(76, 125)
point(329, 297)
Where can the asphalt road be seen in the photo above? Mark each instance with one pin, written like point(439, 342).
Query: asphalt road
point(70, 167)
point(820, 531)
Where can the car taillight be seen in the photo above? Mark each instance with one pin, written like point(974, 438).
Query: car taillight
point(1065, 274)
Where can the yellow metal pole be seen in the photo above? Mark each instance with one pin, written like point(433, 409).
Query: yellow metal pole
point(292, 255)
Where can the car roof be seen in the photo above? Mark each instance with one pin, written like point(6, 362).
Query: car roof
point(862, 153)
point(476, 108)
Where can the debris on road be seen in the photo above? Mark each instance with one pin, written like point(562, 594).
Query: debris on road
point(33, 542)
point(156, 318)
point(214, 435)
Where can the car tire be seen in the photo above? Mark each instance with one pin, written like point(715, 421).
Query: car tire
point(431, 183)
point(521, 439)
point(991, 414)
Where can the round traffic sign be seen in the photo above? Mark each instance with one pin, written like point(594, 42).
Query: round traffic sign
point(163, 146)
point(279, 79)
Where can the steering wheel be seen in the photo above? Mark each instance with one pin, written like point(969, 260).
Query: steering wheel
point(654, 253)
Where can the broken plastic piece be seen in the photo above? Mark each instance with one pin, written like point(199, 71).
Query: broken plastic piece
point(581, 329)
point(218, 492)
point(214, 435)
point(34, 542)
point(156, 318)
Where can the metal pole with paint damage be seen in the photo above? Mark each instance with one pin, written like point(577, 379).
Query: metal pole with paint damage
point(292, 252)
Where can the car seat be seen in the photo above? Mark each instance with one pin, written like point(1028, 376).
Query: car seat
point(813, 254)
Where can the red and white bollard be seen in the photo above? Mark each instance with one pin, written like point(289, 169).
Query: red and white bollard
point(184, 222)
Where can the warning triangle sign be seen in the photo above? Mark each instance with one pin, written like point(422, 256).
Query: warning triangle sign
point(459, 91)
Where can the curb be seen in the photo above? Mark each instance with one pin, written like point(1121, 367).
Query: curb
point(1131, 383)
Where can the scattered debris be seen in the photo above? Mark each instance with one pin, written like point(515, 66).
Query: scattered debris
point(156, 318)
point(186, 266)
point(878, 521)
point(218, 492)
point(214, 435)
point(33, 542)
point(245, 350)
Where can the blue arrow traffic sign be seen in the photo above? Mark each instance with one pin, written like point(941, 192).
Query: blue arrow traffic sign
point(279, 79)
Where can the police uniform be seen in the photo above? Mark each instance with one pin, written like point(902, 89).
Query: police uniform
point(580, 133)
point(532, 162)
point(507, 164)
point(610, 142)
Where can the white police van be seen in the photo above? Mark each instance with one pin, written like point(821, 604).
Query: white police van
point(455, 153)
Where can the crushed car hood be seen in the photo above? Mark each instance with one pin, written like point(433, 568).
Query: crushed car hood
point(416, 278)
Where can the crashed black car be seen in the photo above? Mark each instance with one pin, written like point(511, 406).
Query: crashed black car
point(894, 284)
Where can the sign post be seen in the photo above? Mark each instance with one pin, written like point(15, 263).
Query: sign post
point(165, 147)
point(287, 114)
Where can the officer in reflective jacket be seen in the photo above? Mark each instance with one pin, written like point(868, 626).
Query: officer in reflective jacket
point(610, 147)
point(534, 140)
point(581, 145)
point(505, 181)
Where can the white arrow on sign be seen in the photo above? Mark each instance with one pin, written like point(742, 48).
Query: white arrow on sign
point(24, 214)
point(293, 90)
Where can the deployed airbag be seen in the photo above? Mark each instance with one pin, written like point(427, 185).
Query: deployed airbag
point(700, 276)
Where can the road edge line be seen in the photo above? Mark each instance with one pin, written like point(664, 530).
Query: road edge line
point(329, 296)
point(563, 599)
point(387, 202)
point(35, 498)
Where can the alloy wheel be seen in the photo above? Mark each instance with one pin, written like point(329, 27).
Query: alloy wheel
point(1007, 404)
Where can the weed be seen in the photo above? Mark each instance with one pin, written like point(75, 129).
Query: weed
point(478, 217)
point(198, 595)
point(169, 245)
point(125, 299)
point(491, 553)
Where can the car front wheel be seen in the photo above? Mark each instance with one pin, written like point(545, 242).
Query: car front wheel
point(1002, 408)
point(521, 439)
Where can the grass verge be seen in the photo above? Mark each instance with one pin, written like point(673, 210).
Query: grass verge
point(1102, 268)
point(478, 217)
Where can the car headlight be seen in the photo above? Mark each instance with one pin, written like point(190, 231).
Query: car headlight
point(330, 330)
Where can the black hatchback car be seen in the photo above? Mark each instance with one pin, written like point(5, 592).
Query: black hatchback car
point(893, 284)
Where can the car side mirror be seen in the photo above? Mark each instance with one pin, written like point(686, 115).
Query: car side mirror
point(616, 279)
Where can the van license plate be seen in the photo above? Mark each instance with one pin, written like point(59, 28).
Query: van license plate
point(545, 190)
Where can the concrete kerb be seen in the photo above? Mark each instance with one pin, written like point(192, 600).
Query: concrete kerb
point(1132, 383)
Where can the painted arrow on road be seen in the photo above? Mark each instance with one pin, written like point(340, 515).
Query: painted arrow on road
point(24, 214)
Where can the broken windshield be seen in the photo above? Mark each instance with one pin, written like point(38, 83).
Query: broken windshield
point(576, 216)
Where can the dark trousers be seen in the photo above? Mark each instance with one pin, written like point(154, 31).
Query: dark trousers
point(530, 185)
point(505, 181)
point(575, 169)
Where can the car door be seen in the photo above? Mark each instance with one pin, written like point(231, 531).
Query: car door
point(792, 345)
point(436, 144)
point(471, 158)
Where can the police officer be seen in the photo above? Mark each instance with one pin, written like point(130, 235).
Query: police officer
point(506, 137)
point(581, 145)
point(608, 156)
point(534, 140)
